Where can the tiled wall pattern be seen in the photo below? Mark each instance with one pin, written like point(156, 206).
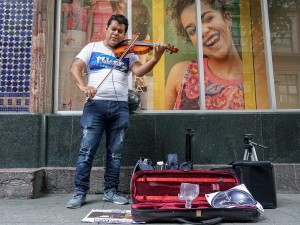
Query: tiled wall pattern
point(15, 54)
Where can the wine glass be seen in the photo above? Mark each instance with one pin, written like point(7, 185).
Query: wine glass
point(188, 192)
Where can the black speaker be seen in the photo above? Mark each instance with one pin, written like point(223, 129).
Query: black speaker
point(258, 176)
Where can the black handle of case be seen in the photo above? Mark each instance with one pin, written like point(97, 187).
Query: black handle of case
point(203, 222)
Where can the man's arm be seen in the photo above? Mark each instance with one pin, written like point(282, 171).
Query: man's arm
point(76, 72)
point(140, 69)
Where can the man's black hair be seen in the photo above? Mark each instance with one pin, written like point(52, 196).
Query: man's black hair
point(121, 19)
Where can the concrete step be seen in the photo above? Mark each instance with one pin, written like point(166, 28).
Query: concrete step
point(21, 183)
point(30, 183)
point(60, 179)
point(287, 176)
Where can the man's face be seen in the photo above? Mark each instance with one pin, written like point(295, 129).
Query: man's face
point(114, 34)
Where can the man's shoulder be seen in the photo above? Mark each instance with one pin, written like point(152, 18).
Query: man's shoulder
point(92, 46)
point(95, 43)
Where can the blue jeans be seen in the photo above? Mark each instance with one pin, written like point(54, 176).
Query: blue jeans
point(99, 116)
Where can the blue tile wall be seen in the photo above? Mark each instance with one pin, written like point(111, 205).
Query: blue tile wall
point(15, 54)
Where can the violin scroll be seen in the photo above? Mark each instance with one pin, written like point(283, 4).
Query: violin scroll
point(172, 49)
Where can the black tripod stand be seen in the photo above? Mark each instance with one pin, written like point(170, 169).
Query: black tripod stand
point(188, 146)
point(250, 149)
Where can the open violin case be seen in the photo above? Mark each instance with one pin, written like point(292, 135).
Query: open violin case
point(155, 197)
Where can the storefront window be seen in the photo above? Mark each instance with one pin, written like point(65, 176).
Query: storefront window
point(233, 52)
point(234, 61)
point(141, 24)
point(284, 19)
point(82, 21)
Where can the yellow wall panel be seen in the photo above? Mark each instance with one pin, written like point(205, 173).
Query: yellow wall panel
point(159, 69)
point(247, 54)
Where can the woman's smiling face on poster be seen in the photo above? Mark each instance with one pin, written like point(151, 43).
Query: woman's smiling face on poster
point(216, 33)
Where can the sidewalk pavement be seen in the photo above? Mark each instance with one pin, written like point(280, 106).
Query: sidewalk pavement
point(50, 210)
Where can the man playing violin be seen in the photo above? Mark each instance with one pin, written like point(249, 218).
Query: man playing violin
point(106, 108)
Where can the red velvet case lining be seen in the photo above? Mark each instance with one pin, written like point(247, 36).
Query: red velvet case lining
point(159, 189)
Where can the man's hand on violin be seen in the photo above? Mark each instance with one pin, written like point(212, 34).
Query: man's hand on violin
point(89, 91)
point(159, 49)
point(140, 69)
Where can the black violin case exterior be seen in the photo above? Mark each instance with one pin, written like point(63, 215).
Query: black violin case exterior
point(155, 197)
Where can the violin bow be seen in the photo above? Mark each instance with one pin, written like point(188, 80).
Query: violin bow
point(119, 60)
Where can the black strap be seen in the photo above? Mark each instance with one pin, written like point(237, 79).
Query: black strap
point(203, 222)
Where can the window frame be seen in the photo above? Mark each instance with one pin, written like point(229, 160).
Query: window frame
point(268, 58)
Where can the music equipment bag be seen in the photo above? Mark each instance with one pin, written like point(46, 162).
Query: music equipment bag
point(155, 197)
point(259, 178)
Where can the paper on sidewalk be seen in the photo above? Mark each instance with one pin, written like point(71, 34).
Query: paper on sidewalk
point(108, 216)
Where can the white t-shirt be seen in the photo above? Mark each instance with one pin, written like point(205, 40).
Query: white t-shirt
point(99, 61)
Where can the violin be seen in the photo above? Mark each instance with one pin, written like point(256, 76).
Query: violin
point(136, 47)
point(139, 48)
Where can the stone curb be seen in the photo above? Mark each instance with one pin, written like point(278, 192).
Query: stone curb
point(31, 183)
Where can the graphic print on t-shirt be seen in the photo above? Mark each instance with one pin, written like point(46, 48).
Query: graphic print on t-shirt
point(100, 61)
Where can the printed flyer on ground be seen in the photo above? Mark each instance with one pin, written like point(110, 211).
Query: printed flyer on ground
point(107, 216)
